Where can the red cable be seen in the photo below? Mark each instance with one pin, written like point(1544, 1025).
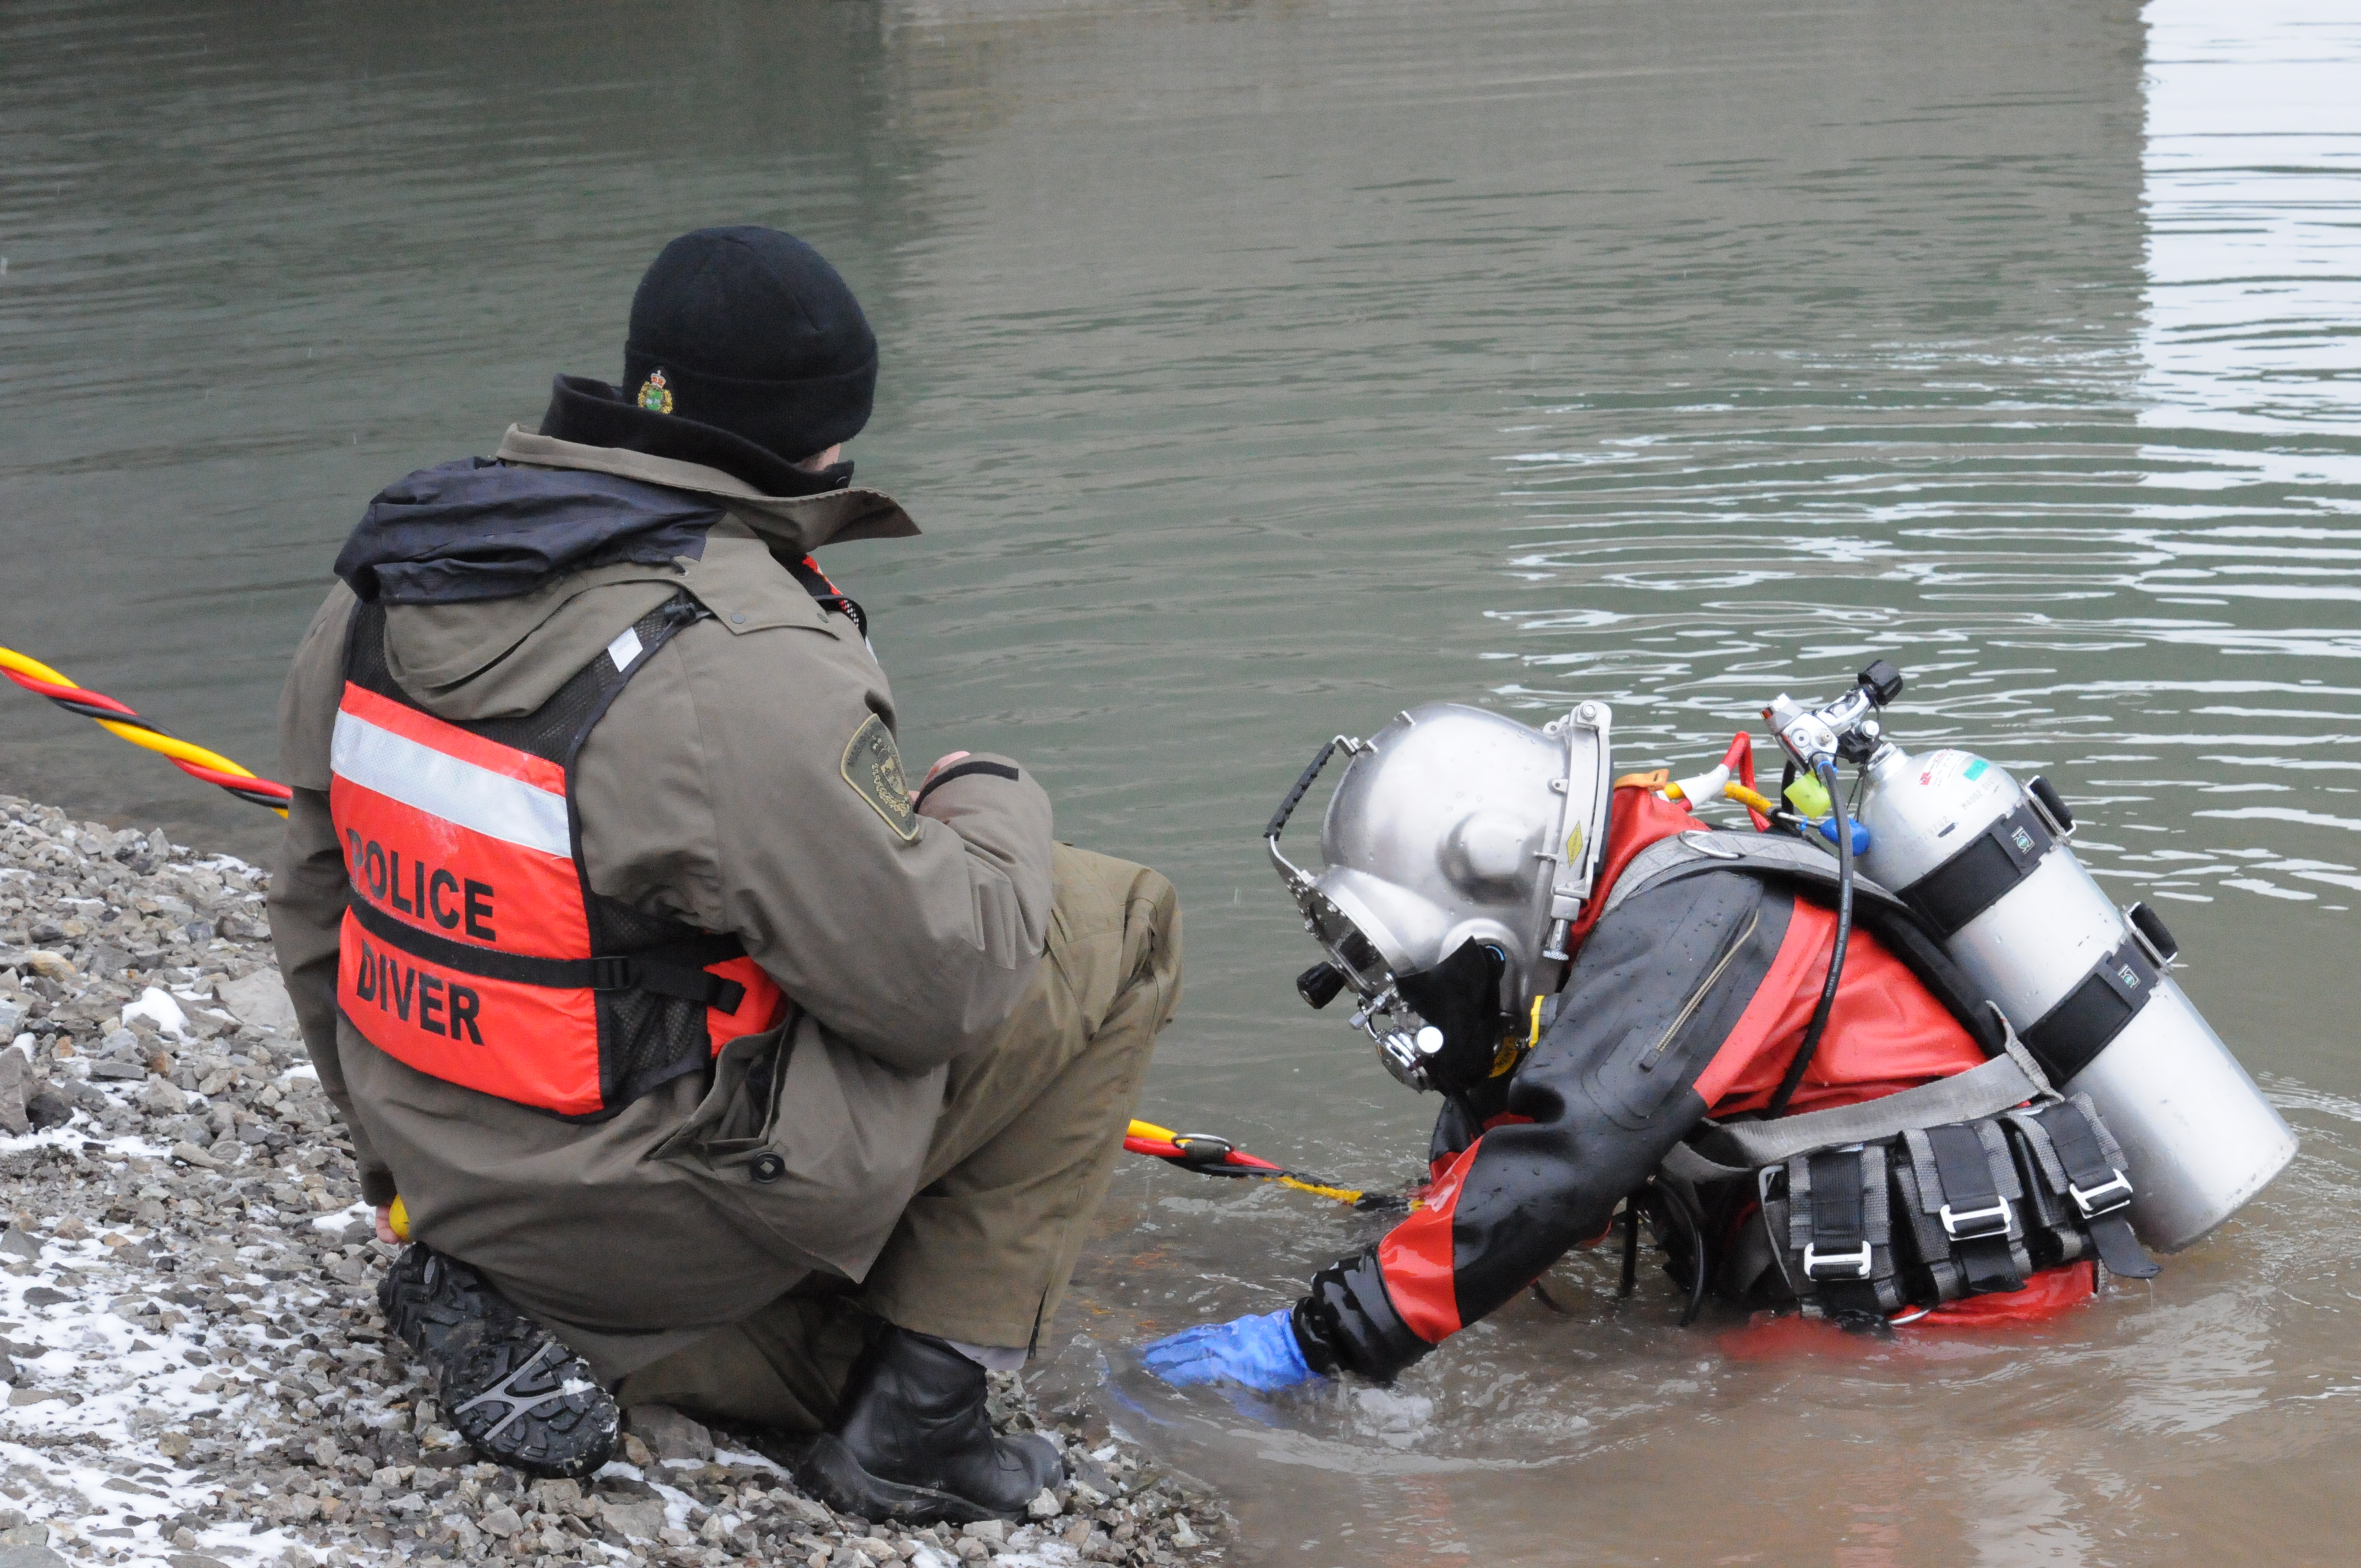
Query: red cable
point(1740, 758)
point(68, 693)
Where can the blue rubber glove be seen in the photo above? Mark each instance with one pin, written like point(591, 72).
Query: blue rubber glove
point(1259, 1352)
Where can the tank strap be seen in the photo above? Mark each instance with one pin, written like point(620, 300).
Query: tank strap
point(1984, 869)
point(2086, 1020)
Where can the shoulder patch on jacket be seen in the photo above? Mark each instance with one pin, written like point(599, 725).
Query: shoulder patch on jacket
point(873, 766)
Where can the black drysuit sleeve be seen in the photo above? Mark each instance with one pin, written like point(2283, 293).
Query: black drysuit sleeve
point(1653, 995)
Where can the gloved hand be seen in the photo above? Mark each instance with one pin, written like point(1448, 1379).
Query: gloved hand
point(1260, 1351)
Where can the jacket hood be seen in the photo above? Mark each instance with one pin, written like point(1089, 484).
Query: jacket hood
point(792, 526)
point(481, 528)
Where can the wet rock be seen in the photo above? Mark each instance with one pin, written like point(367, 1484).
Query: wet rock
point(28, 1555)
point(636, 1518)
point(21, 1396)
point(668, 1433)
point(259, 1001)
point(15, 1119)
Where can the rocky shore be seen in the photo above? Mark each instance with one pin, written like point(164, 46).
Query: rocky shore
point(195, 1368)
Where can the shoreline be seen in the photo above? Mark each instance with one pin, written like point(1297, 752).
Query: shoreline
point(197, 1373)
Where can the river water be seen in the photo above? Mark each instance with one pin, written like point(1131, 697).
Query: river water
point(1260, 369)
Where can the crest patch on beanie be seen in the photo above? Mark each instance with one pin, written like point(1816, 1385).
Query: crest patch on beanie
point(655, 396)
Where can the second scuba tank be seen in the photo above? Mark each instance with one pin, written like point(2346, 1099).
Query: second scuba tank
point(1984, 862)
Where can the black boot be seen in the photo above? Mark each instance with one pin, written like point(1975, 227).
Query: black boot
point(516, 1394)
point(912, 1442)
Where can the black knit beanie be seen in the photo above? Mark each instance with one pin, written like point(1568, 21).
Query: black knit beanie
point(752, 330)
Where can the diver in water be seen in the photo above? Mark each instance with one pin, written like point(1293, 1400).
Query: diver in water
point(1775, 1064)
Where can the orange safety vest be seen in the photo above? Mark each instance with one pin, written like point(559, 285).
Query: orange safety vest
point(473, 947)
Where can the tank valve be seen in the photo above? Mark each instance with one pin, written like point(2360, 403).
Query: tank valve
point(1847, 728)
point(1882, 681)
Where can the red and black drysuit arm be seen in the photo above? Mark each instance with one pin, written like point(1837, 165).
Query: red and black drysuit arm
point(1691, 995)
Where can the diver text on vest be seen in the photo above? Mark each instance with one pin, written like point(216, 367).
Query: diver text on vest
point(397, 985)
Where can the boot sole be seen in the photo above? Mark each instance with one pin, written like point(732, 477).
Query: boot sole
point(515, 1393)
point(826, 1469)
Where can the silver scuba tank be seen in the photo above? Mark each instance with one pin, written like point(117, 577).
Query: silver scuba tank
point(1984, 862)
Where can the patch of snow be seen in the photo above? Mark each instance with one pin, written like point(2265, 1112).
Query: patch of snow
point(159, 1008)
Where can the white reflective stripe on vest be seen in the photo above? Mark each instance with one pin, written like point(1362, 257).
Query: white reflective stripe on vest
point(474, 797)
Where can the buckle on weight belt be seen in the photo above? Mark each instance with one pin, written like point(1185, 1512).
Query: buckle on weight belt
point(2103, 1198)
point(1977, 1223)
point(1836, 1266)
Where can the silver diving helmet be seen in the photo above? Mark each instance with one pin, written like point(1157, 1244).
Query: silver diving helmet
point(1451, 824)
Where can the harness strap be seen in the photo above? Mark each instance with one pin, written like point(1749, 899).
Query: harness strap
point(1701, 849)
point(1736, 1148)
point(1684, 1164)
point(674, 969)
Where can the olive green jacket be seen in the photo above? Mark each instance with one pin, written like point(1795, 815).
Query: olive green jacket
point(718, 790)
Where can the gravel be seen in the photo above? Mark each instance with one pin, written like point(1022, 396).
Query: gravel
point(196, 1371)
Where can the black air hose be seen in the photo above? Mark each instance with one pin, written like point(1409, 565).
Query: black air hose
point(1820, 1025)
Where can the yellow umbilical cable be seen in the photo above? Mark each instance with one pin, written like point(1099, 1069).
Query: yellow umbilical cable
point(1220, 1158)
